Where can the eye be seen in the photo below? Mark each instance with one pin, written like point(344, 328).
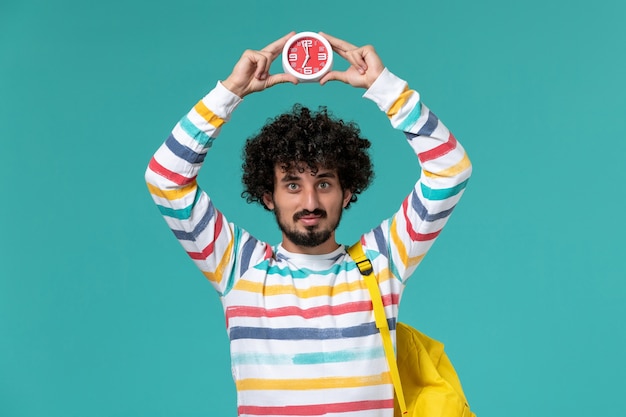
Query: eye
point(292, 186)
point(324, 185)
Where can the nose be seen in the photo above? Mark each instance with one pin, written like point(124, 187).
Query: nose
point(311, 199)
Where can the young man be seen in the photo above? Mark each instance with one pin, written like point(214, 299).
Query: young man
point(299, 317)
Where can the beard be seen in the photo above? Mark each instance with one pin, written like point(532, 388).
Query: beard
point(313, 235)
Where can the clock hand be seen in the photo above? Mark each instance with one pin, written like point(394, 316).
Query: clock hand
point(306, 57)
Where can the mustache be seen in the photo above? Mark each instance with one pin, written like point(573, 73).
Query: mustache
point(317, 212)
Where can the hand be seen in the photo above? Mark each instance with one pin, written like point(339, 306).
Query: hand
point(365, 64)
point(251, 73)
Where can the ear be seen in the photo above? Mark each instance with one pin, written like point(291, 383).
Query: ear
point(347, 195)
point(268, 200)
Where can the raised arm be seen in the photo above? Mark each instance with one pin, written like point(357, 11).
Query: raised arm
point(202, 230)
point(445, 171)
point(407, 236)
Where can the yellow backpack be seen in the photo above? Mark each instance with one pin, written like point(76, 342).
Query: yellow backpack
point(425, 382)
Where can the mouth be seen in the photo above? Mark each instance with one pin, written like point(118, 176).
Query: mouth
point(309, 219)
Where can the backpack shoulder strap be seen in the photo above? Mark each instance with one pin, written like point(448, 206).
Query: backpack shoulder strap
point(365, 266)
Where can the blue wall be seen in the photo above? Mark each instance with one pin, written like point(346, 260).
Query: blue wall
point(102, 314)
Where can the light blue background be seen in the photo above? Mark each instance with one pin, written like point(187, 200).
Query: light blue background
point(102, 314)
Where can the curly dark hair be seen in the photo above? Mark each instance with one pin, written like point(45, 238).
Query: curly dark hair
point(302, 139)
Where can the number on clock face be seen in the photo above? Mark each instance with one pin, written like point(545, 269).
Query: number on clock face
point(308, 56)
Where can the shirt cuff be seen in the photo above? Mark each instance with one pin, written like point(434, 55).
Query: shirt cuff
point(222, 101)
point(386, 90)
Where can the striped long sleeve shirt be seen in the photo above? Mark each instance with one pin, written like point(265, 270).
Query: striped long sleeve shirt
point(303, 341)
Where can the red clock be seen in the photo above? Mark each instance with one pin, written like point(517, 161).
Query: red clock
point(308, 56)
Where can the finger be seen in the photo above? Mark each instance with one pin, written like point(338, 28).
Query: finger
point(268, 55)
point(276, 47)
point(334, 76)
point(351, 53)
point(357, 59)
point(280, 79)
point(261, 64)
point(340, 46)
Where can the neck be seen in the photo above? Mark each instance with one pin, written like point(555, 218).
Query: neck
point(327, 247)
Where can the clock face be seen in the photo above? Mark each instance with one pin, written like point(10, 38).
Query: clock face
point(307, 56)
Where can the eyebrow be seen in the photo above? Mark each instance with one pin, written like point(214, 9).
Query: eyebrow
point(291, 176)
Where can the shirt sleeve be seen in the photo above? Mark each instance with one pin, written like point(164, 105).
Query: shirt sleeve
point(405, 238)
point(217, 247)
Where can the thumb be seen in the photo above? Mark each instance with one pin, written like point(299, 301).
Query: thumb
point(280, 79)
point(334, 76)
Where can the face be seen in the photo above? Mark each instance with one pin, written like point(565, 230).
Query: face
point(308, 209)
